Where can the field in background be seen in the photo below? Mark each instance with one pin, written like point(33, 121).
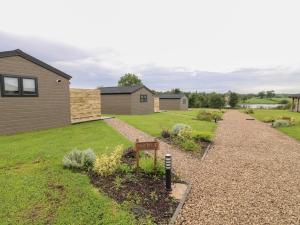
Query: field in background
point(154, 123)
point(35, 189)
point(293, 131)
point(264, 100)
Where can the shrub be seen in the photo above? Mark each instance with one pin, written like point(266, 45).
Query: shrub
point(178, 127)
point(202, 136)
point(83, 160)
point(249, 111)
point(268, 119)
point(284, 101)
point(106, 165)
point(290, 119)
point(188, 145)
point(147, 166)
point(204, 115)
point(89, 159)
point(125, 168)
point(287, 106)
point(165, 133)
point(185, 133)
point(280, 123)
point(216, 115)
point(185, 144)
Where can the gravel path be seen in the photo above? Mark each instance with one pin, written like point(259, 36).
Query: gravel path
point(250, 176)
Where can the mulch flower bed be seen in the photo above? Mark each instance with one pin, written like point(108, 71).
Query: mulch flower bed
point(203, 145)
point(144, 193)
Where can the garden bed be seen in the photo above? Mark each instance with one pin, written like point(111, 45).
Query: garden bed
point(142, 192)
point(203, 146)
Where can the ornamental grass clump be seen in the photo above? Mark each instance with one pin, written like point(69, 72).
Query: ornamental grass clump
point(147, 166)
point(81, 160)
point(106, 165)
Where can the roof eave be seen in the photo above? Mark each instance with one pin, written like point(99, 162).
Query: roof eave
point(34, 60)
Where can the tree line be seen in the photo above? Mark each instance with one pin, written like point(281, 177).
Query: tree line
point(203, 99)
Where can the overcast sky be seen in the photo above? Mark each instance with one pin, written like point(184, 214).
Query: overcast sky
point(204, 45)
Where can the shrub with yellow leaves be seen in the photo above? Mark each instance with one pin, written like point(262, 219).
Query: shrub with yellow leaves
point(106, 165)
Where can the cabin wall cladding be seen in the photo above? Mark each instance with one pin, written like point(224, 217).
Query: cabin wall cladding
point(156, 104)
point(85, 104)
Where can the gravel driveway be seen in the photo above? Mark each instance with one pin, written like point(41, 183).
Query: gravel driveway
point(250, 176)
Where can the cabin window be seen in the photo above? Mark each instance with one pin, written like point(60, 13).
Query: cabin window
point(184, 101)
point(16, 86)
point(29, 86)
point(143, 98)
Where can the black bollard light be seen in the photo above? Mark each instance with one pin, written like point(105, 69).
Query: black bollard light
point(168, 166)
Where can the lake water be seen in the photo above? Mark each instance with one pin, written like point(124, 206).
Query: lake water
point(260, 106)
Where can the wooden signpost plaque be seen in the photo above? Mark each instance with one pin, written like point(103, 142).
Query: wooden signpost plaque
point(149, 145)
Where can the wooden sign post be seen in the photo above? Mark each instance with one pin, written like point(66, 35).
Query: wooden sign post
point(150, 145)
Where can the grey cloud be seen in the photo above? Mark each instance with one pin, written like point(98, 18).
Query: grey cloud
point(102, 68)
point(40, 48)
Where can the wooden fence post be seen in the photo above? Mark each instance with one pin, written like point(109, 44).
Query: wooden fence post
point(137, 154)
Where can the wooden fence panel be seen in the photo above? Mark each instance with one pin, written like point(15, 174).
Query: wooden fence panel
point(85, 104)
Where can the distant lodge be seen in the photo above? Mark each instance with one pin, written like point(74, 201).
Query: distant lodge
point(173, 102)
point(295, 102)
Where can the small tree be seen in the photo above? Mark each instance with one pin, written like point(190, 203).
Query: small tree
point(216, 100)
point(233, 99)
point(270, 94)
point(261, 94)
point(129, 79)
point(176, 91)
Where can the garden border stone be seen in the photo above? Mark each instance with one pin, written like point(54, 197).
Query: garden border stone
point(181, 204)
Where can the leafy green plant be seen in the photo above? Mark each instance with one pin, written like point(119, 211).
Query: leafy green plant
point(249, 111)
point(153, 196)
point(204, 115)
point(185, 133)
point(290, 119)
point(82, 160)
point(284, 101)
point(106, 165)
point(188, 145)
point(216, 115)
point(89, 158)
point(281, 123)
point(147, 166)
point(118, 182)
point(202, 136)
point(178, 127)
point(165, 133)
point(268, 119)
point(125, 168)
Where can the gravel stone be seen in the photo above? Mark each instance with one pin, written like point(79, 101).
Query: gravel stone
point(250, 176)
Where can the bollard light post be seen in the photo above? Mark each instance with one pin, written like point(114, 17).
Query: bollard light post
point(168, 167)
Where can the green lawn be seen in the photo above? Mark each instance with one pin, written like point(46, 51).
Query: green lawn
point(293, 131)
point(154, 123)
point(35, 189)
point(264, 100)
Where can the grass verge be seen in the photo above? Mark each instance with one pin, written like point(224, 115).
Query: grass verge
point(153, 124)
point(35, 189)
point(292, 131)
